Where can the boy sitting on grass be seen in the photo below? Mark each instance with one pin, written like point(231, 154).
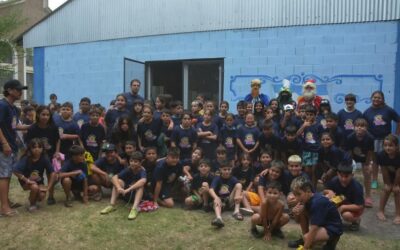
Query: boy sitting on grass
point(226, 191)
point(322, 220)
point(130, 184)
point(352, 207)
point(74, 174)
point(271, 216)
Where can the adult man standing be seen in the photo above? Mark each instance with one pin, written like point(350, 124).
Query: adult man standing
point(133, 94)
point(255, 94)
point(8, 148)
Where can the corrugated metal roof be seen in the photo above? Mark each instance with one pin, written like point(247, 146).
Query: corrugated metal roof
point(93, 20)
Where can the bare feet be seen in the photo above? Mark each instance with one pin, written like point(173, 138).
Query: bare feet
point(381, 216)
point(396, 220)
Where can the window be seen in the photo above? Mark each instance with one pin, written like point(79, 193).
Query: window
point(29, 83)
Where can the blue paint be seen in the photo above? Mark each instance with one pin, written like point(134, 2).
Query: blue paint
point(38, 77)
point(397, 75)
point(362, 54)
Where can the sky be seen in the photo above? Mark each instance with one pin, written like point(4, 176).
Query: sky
point(53, 4)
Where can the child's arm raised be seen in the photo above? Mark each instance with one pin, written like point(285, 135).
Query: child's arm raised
point(186, 172)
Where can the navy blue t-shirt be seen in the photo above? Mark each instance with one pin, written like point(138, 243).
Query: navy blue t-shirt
point(69, 166)
point(243, 176)
point(165, 173)
point(383, 160)
point(323, 213)
point(81, 118)
point(223, 187)
point(359, 148)
point(333, 156)
point(129, 177)
point(149, 132)
point(273, 142)
point(239, 121)
point(293, 121)
point(112, 116)
point(130, 99)
point(380, 121)
point(184, 139)
point(347, 119)
point(198, 181)
point(49, 136)
point(291, 147)
point(227, 137)
point(248, 136)
point(311, 138)
point(92, 137)
point(33, 170)
point(8, 124)
point(209, 147)
point(288, 178)
point(338, 136)
point(109, 167)
point(67, 127)
point(353, 193)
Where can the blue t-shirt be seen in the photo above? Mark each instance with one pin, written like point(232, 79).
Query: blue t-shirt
point(239, 121)
point(198, 181)
point(383, 160)
point(149, 132)
point(223, 187)
point(129, 177)
point(49, 136)
point(291, 147)
point(70, 128)
point(8, 124)
point(209, 147)
point(33, 170)
point(353, 193)
point(227, 137)
point(193, 166)
point(92, 137)
point(248, 136)
point(338, 136)
point(166, 173)
point(81, 118)
point(311, 138)
point(243, 176)
point(347, 119)
point(288, 178)
point(380, 121)
point(323, 213)
point(333, 156)
point(359, 148)
point(130, 99)
point(109, 167)
point(272, 142)
point(112, 116)
point(70, 166)
point(184, 139)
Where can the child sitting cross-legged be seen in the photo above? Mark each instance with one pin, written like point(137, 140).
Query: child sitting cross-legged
point(130, 184)
point(226, 192)
point(200, 187)
point(271, 216)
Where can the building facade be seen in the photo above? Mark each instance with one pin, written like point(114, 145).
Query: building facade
point(94, 48)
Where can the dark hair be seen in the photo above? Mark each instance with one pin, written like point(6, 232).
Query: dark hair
point(166, 111)
point(123, 96)
point(205, 161)
point(28, 109)
point(266, 151)
point(185, 113)
point(137, 155)
point(224, 102)
point(85, 99)
point(136, 80)
point(273, 185)
point(351, 97)
point(221, 149)
point(52, 95)
point(230, 115)
point(379, 92)
point(291, 130)
point(268, 124)
point(76, 150)
point(310, 109)
point(332, 116)
point(132, 143)
point(361, 122)
point(175, 104)
point(278, 164)
point(67, 105)
point(241, 104)
point(149, 148)
point(40, 109)
point(225, 164)
point(31, 144)
point(94, 110)
point(328, 134)
point(173, 152)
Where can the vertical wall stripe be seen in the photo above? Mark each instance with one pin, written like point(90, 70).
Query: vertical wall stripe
point(38, 77)
point(397, 74)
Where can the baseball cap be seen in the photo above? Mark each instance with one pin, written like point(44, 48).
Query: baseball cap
point(108, 147)
point(14, 84)
point(325, 102)
point(288, 107)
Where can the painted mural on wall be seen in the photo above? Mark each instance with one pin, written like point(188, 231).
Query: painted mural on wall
point(333, 88)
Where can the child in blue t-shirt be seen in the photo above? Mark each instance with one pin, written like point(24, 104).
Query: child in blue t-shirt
point(129, 183)
point(321, 221)
point(348, 115)
point(184, 136)
point(30, 170)
point(68, 129)
point(310, 133)
point(226, 191)
point(389, 160)
point(200, 186)
point(207, 132)
point(241, 114)
point(351, 204)
point(248, 137)
point(93, 134)
point(274, 173)
point(190, 166)
point(360, 144)
point(290, 144)
point(74, 175)
point(269, 140)
point(227, 137)
point(332, 128)
point(149, 130)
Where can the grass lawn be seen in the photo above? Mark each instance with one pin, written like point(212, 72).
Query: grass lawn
point(82, 227)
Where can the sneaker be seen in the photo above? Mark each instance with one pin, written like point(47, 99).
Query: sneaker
point(51, 201)
point(246, 211)
point(133, 214)
point(278, 233)
point(68, 203)
point(217, 222)
point(255, 233)
point(355, 226)
point(368, 202)
point(295, 243)
point(32, 208)
point(108, 210)
point(374, 184)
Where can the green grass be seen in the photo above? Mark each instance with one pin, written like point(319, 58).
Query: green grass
point(82, 227)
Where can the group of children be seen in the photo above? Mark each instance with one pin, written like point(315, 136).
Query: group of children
point(264, 162)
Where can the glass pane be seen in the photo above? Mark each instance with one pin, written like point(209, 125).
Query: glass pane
point(133, 70)
point(166, 78)
point(29, 83)
point(204, 79)
point(5, 75)
point(29, 57)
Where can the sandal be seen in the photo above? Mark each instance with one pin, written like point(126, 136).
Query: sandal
point(368, 202)
point(10, 213)
point(15, 204)
point(238, 216)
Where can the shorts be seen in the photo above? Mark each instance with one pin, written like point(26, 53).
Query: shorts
point(253, 198)
point(310, 158)
point(165, 192)
point(378, 145)
point(129, 197)
point(6, 165)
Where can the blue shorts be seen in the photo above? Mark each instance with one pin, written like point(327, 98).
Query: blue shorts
point(6, 165)
point(310, 158)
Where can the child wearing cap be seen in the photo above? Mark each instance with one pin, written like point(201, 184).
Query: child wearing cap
point(74, 174)
point(352, 205)
point(289, 118)
point(129, 184)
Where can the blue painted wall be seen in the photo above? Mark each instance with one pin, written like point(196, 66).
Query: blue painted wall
point(344, 58)
point(38, 77)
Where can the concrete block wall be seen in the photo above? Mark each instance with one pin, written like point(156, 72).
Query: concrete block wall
point(96, 69)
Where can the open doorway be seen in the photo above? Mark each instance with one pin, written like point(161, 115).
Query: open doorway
point(165, 78)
